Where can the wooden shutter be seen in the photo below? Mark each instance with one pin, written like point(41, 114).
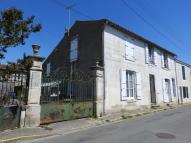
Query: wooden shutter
point(129, 52)
point(146, 53)
point(162, 60)
point(123, 85)
point(139, 86)
point(165, 96)
point(172, 91)
point(155, 57)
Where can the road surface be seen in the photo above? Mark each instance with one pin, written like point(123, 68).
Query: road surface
point(172, 126)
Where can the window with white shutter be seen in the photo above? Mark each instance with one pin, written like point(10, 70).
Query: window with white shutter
point(130, 85)
point(155, 57)
point(129, 51)
point(165, 60)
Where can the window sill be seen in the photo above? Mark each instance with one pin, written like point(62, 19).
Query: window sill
point(167, 69)
point(131, 100)
point(152, 65)
point(131, 59)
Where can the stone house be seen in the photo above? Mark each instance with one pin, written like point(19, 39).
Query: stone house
point(137, 73)
point(183, 81)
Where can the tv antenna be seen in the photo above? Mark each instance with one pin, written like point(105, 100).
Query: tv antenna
point(69, 8)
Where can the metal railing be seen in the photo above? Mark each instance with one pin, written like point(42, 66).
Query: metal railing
point(66, 90)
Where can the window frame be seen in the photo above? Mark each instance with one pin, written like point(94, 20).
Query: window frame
point(183, 73)
point(165, 60)
point(48, 69)
point(131, 84)
point(74, 50)
point(151, 56)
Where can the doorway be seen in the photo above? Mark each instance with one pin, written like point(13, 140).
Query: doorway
point(152, 89)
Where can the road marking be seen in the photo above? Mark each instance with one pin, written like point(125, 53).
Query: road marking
point(21, 137)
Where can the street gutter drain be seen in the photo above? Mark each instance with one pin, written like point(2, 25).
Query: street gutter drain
point(165, 136)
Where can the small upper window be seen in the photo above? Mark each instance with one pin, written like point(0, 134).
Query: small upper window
point(151, 55)
point(165, 60)
point(48, 69)
point(183, 73)
point(74, 50)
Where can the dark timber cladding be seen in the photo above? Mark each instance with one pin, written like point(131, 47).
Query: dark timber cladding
point(90, 45)
point(89, 48)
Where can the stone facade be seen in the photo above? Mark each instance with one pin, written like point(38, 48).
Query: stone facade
point(115, 61)
point(183, 82)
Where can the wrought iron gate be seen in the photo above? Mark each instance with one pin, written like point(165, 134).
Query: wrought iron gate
point(66, 99)
point(13, 96)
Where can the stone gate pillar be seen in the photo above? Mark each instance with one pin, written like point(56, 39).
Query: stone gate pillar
point(99, 90)
point(33, 108)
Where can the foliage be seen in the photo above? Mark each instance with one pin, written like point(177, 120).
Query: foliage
point(15, 29)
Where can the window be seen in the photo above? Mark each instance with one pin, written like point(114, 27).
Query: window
point(165, 60)
point(151, 55)
point(129, 50)
point(48, 69)
point(183, 73)
point(74, 50)
point(185, 92)
point(131, 85)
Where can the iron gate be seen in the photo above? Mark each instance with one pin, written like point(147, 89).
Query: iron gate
point(13, 96)
point(66, 99)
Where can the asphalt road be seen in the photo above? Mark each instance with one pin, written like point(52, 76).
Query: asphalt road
point(173, 126)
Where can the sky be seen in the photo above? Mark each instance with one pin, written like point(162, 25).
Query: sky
point(165, 22)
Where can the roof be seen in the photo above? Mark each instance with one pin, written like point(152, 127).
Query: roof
point(183, 63)
point(124, 30)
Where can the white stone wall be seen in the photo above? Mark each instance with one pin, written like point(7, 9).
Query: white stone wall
point(182, 82)
point(114, 61)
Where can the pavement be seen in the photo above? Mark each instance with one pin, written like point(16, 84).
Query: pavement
point(69, 127)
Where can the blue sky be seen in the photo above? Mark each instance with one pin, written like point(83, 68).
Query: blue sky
point(171, 17)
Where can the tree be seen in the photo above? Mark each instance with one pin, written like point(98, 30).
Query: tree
point(15, 29)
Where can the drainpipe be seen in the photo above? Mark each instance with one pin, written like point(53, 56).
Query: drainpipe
point(104, 73)
point(177, 82)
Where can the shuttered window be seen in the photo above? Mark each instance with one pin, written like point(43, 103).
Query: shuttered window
point(165, 63)
point(131, 90)
point(129, 50)
point(130, 85)
point(150, 55)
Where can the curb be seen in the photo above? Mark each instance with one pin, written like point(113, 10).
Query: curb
point(21, 137)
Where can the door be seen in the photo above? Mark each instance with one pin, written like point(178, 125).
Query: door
point(168, 89)
point(152, 89)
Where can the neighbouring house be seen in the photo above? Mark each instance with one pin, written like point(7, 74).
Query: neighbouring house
point(183, 81)
point(137, 73)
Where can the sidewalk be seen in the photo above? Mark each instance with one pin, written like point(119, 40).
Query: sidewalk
point(65, 127)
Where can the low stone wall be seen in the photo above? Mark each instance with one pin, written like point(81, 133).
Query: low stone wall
point(55, 112)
